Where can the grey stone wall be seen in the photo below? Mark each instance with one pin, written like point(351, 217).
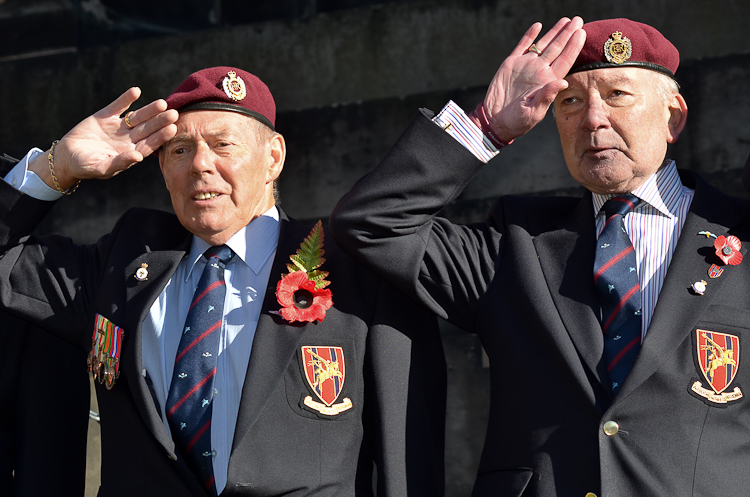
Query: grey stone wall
point(348, 76)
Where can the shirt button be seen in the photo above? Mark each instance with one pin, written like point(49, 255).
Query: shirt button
point(611, 428)
point(14, 182)
point(213, 453)
point(216, 392)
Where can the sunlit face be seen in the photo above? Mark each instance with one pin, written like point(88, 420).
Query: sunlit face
point(218, 176)
point(615, 125)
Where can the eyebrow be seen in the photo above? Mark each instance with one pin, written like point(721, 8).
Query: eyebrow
point(186, 137)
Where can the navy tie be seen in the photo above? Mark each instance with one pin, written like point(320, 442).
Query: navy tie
point(190, 398)
point(616, 280)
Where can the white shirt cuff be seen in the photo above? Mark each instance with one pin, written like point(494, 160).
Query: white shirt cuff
point(28, 182)
point(456, 123)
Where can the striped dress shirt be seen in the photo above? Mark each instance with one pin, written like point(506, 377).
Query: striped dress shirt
point(654, 228)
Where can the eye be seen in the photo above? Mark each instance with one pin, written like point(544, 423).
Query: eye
point(569, 101)
point(179, 150)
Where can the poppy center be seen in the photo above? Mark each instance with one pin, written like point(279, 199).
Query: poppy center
point(727, 250)
point(302, 299)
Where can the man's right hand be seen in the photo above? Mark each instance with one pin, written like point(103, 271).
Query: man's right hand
point(103, 145)
point(526, 84)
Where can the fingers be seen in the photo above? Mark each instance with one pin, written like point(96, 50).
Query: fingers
point(155, 119)
point(155, 140)
point(551, 50)
point(121, 103)
point(550, 35)
point(569, 54)
point(527, 39)
point(145, 113)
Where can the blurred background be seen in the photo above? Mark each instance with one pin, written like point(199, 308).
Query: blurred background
point(348, 76)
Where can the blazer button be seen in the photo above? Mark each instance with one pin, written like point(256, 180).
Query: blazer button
point(611, 428)
point(590, 494)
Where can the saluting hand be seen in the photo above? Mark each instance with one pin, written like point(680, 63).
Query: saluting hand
point(103, 144)
point(526, 84)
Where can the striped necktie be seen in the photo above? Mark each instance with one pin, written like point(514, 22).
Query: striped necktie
point(616, 280)
point(190, 398)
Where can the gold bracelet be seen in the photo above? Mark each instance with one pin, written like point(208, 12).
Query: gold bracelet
point(51, 160)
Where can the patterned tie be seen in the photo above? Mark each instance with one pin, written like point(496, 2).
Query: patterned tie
point(190, 398)
point(616, 280)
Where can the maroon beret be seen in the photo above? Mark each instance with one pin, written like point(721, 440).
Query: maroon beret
point(225, 88)
point(622, 42)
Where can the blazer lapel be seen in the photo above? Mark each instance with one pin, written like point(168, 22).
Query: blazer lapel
point(678, 308)
point(566, 255)
point(275, 341)
point(140, 295)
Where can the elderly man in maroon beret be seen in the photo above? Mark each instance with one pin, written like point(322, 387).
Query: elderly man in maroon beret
point(615, 323)
point(232, 357)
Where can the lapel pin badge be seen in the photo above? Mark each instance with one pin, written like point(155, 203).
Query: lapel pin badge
point(699, 287)
point(715, 271)
point(142, 273)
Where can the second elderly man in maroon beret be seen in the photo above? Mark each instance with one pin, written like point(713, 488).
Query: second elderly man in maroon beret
point(239, 351)
point(615, 323)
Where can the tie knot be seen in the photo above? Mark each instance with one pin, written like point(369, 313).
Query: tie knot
point(221, 252)
point(622, 204)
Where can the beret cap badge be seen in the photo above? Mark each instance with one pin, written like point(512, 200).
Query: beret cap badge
point(617, 49)
point(234, 87)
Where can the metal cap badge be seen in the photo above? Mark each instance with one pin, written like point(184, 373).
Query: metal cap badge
point(234, 87)
point(617, 49)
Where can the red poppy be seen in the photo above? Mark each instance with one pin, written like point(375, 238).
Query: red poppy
point(299, 299)
point(728, 249)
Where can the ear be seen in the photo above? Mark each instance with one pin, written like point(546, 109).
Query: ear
point(277, 155)
point(678, 112)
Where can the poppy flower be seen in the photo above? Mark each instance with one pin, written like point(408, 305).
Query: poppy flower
point(300, 300)
point(728, 249)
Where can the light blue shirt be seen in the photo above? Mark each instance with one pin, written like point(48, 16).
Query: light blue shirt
point(246, 276)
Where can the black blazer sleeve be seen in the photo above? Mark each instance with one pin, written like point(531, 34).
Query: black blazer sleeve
point(388, 222)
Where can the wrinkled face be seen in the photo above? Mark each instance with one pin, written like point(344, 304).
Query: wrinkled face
point(615, 125)
point(218, 176)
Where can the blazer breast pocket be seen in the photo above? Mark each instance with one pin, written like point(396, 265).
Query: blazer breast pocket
point(324, 380)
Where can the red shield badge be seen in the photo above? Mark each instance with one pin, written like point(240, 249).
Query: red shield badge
point(325, 371)
point(715, 271)
point(718, 358)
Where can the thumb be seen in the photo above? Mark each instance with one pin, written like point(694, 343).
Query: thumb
point(125, 160)
point(547, 94)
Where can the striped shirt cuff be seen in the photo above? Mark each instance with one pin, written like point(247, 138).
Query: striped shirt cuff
point(456, 123)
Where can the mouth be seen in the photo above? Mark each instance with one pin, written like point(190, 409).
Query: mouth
point(600, 151)
point(206, 195)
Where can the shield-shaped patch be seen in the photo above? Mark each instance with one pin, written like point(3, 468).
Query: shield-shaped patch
point(718, 358)
point(325, 371)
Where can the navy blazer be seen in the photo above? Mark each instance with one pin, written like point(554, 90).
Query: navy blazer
point(395, 371)
point(522, 281)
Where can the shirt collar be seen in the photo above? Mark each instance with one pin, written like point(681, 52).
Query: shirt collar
point(253, 244)
point(662, 191)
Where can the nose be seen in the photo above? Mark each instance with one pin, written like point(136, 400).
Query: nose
point(202, 160)
point(596, 114)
